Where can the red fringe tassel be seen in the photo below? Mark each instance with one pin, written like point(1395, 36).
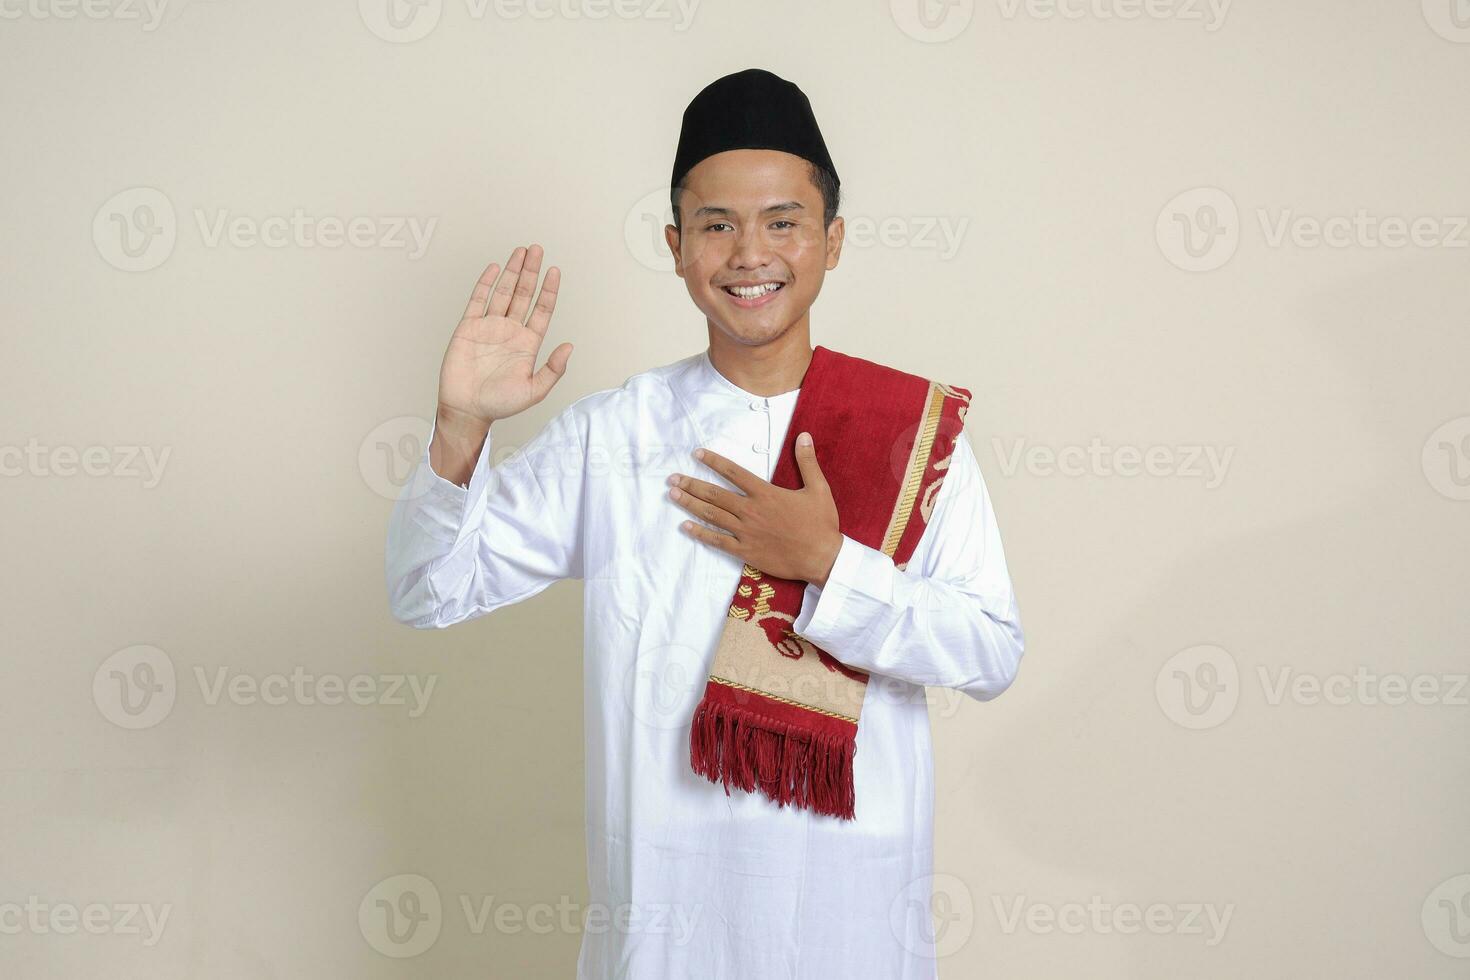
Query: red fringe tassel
point(789, 764)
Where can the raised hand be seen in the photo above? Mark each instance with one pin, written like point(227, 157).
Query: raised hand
point(489, 369)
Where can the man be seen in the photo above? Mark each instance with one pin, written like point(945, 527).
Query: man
point(712, 883)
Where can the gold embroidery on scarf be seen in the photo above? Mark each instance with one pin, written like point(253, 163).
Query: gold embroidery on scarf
point(917, 466)
point(762, 603)
point(926, 506)
point(953, 392)
point(776, 697)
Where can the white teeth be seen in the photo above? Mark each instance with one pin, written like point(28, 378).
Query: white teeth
point(751, 292)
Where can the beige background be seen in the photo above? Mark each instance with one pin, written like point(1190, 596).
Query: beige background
point(277, 379)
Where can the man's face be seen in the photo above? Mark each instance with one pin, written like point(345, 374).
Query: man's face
point(752, 224)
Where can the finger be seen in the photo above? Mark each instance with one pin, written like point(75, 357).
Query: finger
point(546, 302)
point(734, 472)
point(806, 462)
point(551, 372)
point(481, 292)
point(500, 295)
point(719, 496)
point(526, 284)
point(705, 511)
point(715, 539)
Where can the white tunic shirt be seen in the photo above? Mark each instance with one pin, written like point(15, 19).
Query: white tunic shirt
point(685, 881)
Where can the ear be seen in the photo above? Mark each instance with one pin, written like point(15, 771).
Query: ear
point(671, 238)
point(835, 232)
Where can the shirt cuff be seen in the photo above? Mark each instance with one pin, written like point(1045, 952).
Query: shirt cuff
point(442, 506)
point(859, 569)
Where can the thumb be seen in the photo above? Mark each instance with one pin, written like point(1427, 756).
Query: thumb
point(551, 372)
point(806, 462)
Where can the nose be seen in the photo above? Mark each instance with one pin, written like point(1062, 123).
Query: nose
point(751, 249)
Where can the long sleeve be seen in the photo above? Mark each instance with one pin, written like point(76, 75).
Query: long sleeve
point(454, 553)
point(953, 622)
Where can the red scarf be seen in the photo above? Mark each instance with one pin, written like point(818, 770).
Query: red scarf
point(779, 714)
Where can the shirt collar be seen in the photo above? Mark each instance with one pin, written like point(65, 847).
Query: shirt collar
point(712, 401)
point(710, 375)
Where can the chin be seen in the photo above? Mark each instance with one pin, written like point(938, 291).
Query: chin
point(752, 335)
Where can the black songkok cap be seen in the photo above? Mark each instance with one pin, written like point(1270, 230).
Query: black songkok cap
point(749, 110)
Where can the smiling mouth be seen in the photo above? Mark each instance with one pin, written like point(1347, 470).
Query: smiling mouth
point(754, 292)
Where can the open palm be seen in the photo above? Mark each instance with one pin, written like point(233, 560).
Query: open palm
point(489, 369)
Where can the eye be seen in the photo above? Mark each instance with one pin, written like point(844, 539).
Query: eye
point(783, 221)
point(717, 224)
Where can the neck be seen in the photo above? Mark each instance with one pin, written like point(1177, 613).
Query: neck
point(772, 368)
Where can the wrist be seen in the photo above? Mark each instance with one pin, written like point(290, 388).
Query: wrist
point(827, 560)
point(459, 425)
point(458, 440)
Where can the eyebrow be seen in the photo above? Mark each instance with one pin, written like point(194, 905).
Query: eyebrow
point(783, 206)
